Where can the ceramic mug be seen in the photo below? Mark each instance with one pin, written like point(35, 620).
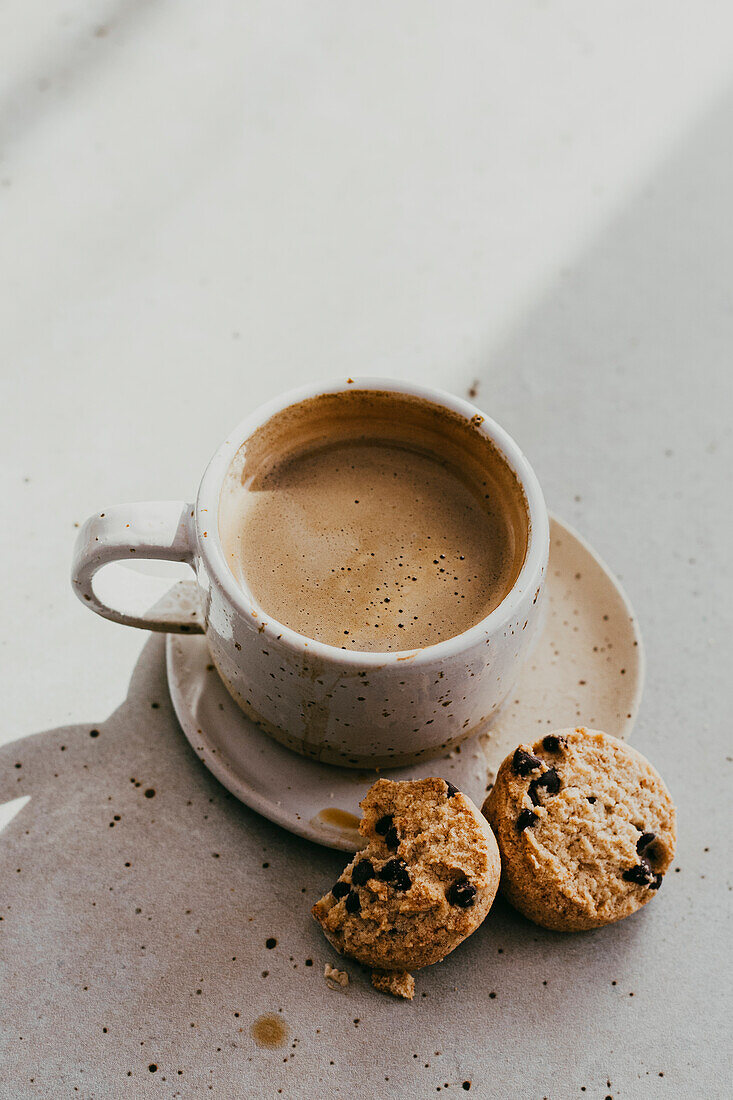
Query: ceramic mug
point(342, 707)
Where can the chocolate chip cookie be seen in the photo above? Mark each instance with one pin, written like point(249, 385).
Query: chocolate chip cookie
point(586, 829)
point(424, 881)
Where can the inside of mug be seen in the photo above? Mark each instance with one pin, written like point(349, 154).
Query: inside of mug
point(268, 467)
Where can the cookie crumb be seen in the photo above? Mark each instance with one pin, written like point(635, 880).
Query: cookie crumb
point(331, 974)
point(398, 983)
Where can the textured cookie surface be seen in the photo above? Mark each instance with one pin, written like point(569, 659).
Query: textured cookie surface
point(425, 880)
point(586, 829)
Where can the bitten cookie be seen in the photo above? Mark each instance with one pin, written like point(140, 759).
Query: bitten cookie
point(423, 883)
point(586, 829)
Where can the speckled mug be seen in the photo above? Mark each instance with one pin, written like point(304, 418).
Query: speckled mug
point(342, 707)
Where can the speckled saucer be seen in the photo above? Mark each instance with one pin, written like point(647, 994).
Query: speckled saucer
point(586, 668)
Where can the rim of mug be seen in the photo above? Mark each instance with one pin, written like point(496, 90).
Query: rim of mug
point(210, 548)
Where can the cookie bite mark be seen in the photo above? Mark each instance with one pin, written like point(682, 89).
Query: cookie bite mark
point(587, 836)
point(423, 882)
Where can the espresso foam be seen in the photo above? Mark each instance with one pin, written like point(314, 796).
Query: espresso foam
point(361, 530)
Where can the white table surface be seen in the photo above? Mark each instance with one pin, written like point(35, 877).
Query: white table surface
point(202, 205)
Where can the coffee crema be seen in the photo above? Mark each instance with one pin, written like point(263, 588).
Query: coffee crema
point(373, 521)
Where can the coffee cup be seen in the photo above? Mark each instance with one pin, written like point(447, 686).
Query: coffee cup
point(405, 612)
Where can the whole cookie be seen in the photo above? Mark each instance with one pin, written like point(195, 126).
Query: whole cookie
point(586, 829)
point(424, 881)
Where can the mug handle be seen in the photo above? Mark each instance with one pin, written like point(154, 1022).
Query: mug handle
point(154, 529)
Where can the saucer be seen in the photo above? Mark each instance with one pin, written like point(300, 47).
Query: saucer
point(587, 667)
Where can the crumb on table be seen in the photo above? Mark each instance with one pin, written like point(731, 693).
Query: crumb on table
point(398, 983)
point(331, 974)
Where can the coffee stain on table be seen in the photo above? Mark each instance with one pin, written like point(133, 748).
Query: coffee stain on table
point(269, 1032)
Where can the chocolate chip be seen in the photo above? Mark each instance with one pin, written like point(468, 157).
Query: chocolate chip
point(396, 874)
point(641, 874)
point(353, 904)
point(451, 789)
point(392, 839)
point(462, 894)
point(525, 819)
point(635, 874)
point(550, 780)
point(383, 824)
point(390, 869)
point(553, 743)
point(340, 890)
point(657, 882)
point(644, 841)
point(591, 798)
point(363, 871)
point(524, 763)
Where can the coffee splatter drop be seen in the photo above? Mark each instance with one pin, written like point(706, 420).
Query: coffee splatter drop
point(269, 1031)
